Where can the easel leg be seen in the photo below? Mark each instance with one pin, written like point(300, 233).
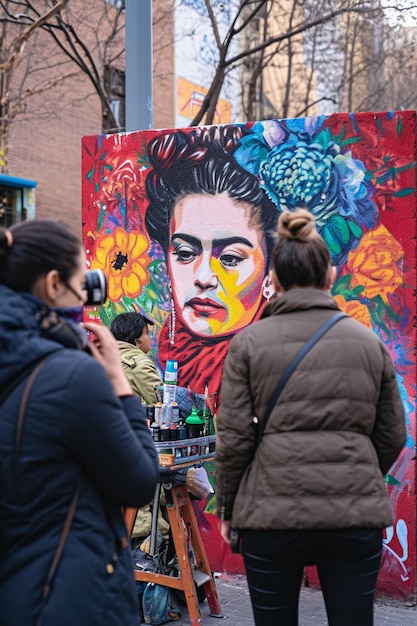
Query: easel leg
point(182, 548)
point(130, 517)
point(182, 504)
point(202, 563)
point(154, 523)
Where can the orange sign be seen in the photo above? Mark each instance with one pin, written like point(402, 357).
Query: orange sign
point(191, 97)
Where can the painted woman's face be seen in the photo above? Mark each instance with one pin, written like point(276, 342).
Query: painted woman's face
point(216, 262)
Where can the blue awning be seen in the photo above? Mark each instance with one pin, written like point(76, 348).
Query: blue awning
point(12, 181)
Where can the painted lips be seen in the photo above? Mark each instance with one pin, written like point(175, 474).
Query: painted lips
point(207, 308)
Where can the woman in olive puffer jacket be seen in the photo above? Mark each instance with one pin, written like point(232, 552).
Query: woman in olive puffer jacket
point(314, 492)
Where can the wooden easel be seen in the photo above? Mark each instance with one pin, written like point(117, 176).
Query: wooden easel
point(184, 530)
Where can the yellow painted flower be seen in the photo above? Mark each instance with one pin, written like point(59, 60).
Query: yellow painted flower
point(376, 263)
point(124, 259)
point(355, 309)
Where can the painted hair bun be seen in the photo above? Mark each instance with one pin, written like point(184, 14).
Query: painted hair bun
point(299, 225)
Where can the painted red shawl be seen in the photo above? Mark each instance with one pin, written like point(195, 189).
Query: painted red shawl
point(200, 359)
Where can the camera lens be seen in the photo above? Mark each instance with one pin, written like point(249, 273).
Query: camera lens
point(96, 286)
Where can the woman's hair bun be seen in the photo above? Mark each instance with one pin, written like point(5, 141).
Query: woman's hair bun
point(298, 224)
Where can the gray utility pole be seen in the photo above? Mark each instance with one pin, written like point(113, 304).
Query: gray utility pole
point(139, 105)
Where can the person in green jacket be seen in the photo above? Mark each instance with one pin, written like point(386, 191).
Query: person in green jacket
point(132, 334)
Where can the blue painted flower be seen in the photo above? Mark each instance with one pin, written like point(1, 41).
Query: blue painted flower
point(299, 169)
point(299, 175)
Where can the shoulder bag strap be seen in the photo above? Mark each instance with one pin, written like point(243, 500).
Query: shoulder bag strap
point(292, 366)
point(60, 548)
point(20, 418)
point(74, 501)
point(62, 541)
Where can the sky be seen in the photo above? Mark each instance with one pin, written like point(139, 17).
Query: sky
point(405, 17)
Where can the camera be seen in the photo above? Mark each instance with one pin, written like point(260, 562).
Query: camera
point(96, 287)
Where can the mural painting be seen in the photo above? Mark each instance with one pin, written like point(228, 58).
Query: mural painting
point(183, 222)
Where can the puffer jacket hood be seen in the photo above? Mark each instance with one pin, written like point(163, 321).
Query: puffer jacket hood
point(21, 343)
point(302, 299)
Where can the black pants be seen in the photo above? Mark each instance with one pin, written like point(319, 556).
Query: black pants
point(347, 561)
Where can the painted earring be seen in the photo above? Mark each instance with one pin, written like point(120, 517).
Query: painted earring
point(267, 288)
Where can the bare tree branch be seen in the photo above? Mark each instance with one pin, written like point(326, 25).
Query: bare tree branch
point(22, 38)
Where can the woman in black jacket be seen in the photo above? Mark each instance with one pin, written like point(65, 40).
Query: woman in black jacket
point(83, 430)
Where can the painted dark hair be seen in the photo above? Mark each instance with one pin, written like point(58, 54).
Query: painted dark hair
point(38, 246)
point(201, 162)
point(128, 327)
point(301, 257)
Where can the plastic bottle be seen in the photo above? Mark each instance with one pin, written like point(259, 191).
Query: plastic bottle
point(182, 430)
point(155, 431)
point(164, 433)
point(170, 381)
point(150, 413)
point(173, 431)
point(194, 424)
point(182, 434)
point(175, 417)
point(158, 413)
point(171, 373)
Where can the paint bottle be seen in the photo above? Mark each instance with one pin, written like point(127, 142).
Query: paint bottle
point(182, 434)
point(158, 413)
point(166, 415)
point(194, 424)
point(164, 433)
point(175, 414)
point(171, 373)
point(150, 413)
point(182, 430)
point(173, 431)
point(170, 381)
point(155, 431)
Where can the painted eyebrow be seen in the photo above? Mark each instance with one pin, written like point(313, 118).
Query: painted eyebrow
point(193, 241)
point(217, 243)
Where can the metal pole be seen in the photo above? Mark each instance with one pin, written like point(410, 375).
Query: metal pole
point(138, 64)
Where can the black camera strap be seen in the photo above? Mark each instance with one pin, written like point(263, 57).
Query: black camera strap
point(293, 365)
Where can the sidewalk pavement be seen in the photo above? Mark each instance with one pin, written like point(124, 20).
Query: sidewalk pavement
point(234, 600)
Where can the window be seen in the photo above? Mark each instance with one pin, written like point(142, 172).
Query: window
point(114, 82)
point(119, 4)
point(17, 200)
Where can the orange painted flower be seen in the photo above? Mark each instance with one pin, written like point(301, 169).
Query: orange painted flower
point(376, 263)
point(355, 309)
point(124, 259)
